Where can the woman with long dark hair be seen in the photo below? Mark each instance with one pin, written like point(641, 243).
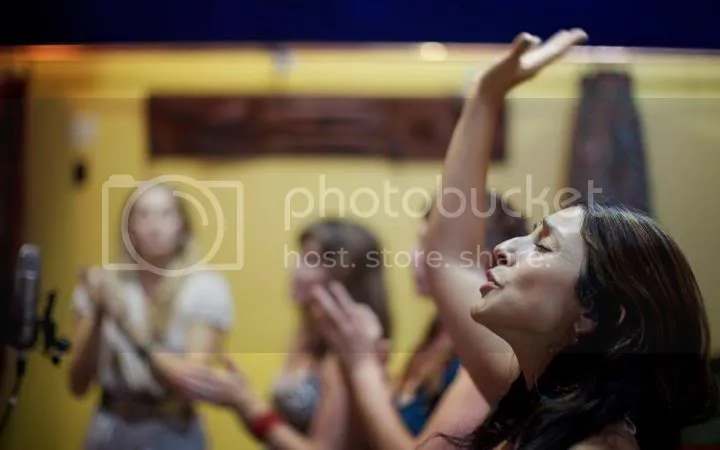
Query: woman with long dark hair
point(433, 387)
point(333, 251)
point(296, 393)
point(598, 305)
point(588, 333)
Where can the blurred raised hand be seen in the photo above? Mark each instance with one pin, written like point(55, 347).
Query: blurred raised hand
point(529, 55)
point(98, 285)
point(227, 387)
point(220, 387)
point(351, 329)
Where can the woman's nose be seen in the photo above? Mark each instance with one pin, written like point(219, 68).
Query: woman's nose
point(504, 253)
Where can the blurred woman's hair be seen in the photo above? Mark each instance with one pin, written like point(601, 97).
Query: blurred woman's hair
point(353, 257)
point(646, 362)
point(183, 256)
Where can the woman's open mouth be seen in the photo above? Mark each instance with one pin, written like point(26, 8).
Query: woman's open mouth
point(490, 285)
point(487, 287)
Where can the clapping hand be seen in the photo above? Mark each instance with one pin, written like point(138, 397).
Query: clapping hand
point(351, 329)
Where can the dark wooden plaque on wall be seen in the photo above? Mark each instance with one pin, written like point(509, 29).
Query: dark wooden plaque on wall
point(242, 126)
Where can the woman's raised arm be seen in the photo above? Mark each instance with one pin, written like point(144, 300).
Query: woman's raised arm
point(457, 231)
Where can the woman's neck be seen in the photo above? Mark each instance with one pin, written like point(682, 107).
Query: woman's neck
point(149, 281)
point(149, 276)
point(533, 354)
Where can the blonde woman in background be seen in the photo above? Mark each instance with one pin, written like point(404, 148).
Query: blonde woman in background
point(138, 330)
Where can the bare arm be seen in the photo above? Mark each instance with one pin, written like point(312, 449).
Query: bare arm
point(166, 366)
point(373, 398)
point(459, 412)
point(352, 331)
point(488, 359)
point(330, 421)
point(329, 427)
point(204, 341)
point(86, 350)
point(89, 328)
point(231, 390)
point(204, 344)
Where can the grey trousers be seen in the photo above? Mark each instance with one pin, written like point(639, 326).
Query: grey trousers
point(111, 432)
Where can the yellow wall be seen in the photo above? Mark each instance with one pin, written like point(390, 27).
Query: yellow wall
point(678, 98)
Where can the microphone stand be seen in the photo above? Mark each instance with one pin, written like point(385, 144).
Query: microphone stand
point(54, 347)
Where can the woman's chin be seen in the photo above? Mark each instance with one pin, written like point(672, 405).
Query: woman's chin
point(489, 313)
point(479, 310)
point(155, 257)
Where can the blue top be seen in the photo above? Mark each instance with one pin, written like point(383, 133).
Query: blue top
point(416, 412)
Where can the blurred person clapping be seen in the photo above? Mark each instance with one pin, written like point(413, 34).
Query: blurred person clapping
point(138, 330)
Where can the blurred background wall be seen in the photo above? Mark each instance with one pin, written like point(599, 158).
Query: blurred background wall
point(89, 104)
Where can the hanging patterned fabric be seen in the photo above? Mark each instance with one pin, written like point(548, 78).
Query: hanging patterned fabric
point(607, 143)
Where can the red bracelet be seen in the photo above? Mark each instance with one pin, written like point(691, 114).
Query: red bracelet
point(261, 426)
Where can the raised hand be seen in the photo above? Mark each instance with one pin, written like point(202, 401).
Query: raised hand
point(526, 58)
point(351, 329)
point(102, 289)
point(97, 285)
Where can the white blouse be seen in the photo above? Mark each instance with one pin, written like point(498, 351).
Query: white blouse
point(204, 297)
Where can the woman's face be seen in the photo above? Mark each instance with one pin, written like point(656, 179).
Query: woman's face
point(308, 273)
point(156, 225)
point(531, 286)
point(422, 286)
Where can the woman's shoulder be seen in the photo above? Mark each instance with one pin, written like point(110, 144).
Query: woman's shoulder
point(204, 285)
point(618, 436)
point(206, 295)
point(206, 278)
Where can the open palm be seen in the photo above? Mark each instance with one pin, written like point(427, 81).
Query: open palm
point(351, 329)
point(526, 58)
point(213, 386)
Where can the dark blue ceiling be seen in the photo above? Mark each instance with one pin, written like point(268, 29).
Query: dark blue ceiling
point(692, 23)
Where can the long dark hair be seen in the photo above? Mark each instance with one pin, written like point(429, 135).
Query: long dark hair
point(647, 361)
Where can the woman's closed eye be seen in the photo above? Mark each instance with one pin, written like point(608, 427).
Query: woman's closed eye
point(542, 242)
point(541, 236)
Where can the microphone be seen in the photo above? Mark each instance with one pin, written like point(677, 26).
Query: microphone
point(23, 309)
point(23, 324)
